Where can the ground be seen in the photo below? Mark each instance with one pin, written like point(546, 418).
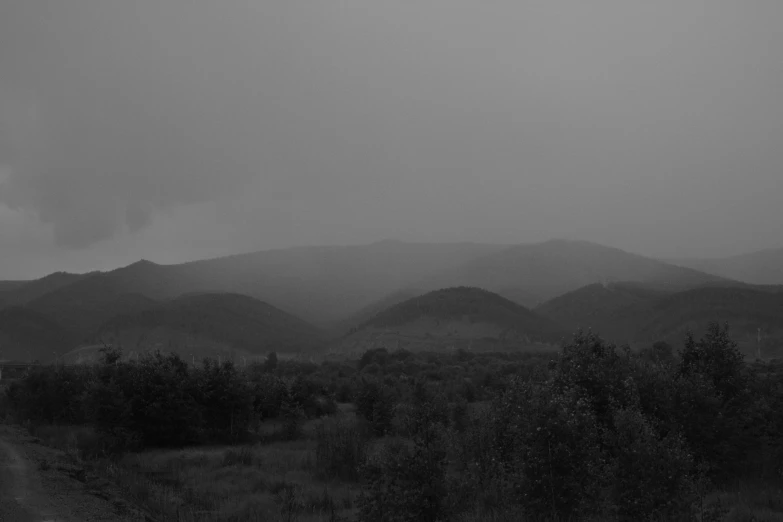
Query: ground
point(39, 484)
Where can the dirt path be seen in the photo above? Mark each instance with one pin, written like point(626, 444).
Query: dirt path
point(40, 484)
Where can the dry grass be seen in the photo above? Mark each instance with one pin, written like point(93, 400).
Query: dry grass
point(272, 482)
point(279, 482)
point(269, 482)
point(750, 502)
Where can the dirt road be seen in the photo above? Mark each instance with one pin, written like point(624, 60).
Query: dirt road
point(39, 484)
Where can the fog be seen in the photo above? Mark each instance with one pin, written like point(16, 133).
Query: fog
point(181, 129)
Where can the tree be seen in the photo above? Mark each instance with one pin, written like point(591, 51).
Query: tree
point(716, 357)
point(270, 364)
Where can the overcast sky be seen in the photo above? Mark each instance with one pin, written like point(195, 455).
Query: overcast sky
point(180, 129)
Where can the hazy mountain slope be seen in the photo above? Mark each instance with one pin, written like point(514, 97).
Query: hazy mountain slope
point(6, 290)
point(83, 306)
point(6, 286)
point(320, 284)
point(531, 274)
point(30, 290)
point(373, 309)
point(746, 310)
point(614, 310)
point(26, 335)
point(213, 322)
point(763, 268)
point(453, 318)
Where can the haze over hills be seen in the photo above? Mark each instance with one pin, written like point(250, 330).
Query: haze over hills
point(764, 267)
point(746, 310)
point(452, 318)
point(24, 293)
point(319, 284)
point(533, 273)
point(209, 324)
point(26, 335)
point(84, 306)
point(376, 307)
point(612, 309)
point(339, 287)
point(7, 286)
point(624, 313)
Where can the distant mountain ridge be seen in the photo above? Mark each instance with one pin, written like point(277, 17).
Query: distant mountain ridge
point(533, 273)
point(338, 287)
point(210, 323)
point(622, 314)
point(764, 267)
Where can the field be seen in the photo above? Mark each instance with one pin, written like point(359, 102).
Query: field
point(592, 433)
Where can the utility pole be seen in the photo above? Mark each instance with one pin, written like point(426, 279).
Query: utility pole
point(758, 344)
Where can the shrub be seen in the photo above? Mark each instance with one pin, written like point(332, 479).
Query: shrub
point(652, 477)
point(374, 403)
point(341, 450)
point(224, 400)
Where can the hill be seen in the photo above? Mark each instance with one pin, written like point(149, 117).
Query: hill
point(764, 267)
point(210, 324)
point(83, 306)
point(614, 309)
point(628, 313)
point(746, 310)
point(27, 291)
point(373, 309)
point(534, 273)
point(319, 284)
point(6, 286)
point(462, 317)
point(28, 336)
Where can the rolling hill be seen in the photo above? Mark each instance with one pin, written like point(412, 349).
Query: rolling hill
point(209, 324)
point(450, 318)
point(373, 309)
point(27, 336)
point(81, 312)
point(24, 292)
point(534, 273)
point(746, 310)
point(614, 309)
point(319, 284)
point(764, 267)
point(7, 286)
point(628, 313)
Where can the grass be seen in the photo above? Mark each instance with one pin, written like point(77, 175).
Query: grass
point(750, 502)
point(284, 480)
point(277, 480)
point(261, 482)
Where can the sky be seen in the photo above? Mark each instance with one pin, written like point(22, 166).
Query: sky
point(173, 130)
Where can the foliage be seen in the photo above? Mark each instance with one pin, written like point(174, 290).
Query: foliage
point(375, 404)
point(341, 450)
point(595, 432)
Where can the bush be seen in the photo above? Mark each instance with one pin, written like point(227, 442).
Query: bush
point(405, 484)
point(375, 404)
point(652, 477)
point(341, 450)
point(225, 401)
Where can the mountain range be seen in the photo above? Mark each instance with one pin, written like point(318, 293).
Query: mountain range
point(309, 298)
point(764, 267)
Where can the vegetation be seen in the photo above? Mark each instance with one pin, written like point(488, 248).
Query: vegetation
point(593, 433)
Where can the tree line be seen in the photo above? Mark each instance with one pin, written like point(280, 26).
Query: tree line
point(593, 432)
